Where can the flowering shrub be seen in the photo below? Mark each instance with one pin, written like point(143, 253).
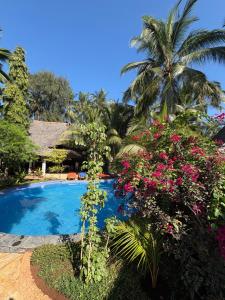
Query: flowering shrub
point(173, 179)
point(173, 183)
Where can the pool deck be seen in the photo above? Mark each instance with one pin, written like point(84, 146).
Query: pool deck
point(10, 243)
point(16, 281)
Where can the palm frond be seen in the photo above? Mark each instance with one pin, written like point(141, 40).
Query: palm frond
point(216, 54)
point(134, 65)
point(135, 241)
point(130, 149)
point(199, 39)
point(181, 25)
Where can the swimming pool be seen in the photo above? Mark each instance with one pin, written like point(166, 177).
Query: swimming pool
point(49, 208)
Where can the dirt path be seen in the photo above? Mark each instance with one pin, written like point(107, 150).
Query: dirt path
point(16, 282)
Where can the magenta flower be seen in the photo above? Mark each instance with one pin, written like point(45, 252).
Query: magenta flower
point(125, 164)
point(128, 188)
point(156, 174)
point(161, 167)
point(198, 208)
point(179, 181)
point(163, 155)
point(169, 228)
point(175, 138)
point(156, 135)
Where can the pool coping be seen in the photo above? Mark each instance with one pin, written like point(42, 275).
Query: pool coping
point(13, 243)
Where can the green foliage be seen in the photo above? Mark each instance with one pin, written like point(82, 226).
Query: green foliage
point(93, 254)
point(57, 156)
point(176, 184)
point(136, 241)
point(217, 208)
point(4, 56)
point(56, 169)
point(16, 148)
point(57, 266)
point(167, 75)
point(15, 92)
point(199, 268)
point(95, 108)
point(50, 97)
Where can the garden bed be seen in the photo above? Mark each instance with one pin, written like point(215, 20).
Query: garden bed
point(55, 271)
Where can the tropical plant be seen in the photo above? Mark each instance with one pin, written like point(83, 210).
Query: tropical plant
point(57, 157)
point(15, 91)
point(168, 70)
point(176, 185)
point(50, 97)
point(93, 254)
point(117, 122)
point(136, 242)
point(16, 149)
point(4, 56)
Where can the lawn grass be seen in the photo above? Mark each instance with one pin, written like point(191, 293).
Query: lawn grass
point(58, 267)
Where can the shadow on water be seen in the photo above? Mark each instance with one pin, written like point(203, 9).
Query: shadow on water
point(15, 203)
point(52, 218)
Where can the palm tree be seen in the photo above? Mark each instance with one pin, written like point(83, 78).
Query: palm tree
point(118, 117)
point(170, 58)
point(136, 242)
point(4, 56)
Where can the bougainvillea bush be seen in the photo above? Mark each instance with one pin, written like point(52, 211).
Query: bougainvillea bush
point(172, 183)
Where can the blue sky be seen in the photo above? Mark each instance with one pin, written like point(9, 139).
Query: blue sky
point(88, 41)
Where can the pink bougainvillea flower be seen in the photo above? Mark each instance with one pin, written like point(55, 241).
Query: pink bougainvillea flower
point(145, 154)
point(220, 117)
point(197, 151)
point(161, 167)
point(191, 171)
point(125, 164)
point(179, 181)
point(175, 138)
point(156, 174)
point(169, 228)
point(163, 155)
point(128, 188)
point(158, 124)
point(152, 184)
point(198, 208)
point(156, 135)
point(120, 180)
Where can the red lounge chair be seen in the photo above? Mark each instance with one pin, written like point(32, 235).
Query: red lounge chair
point(104, 176)
point(72, 176)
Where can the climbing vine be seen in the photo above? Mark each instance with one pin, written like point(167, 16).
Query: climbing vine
point(94, 253)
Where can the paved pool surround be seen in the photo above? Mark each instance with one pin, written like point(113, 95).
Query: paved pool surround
point(11, 243)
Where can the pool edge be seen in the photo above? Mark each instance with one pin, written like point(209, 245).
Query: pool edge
point(12, 243)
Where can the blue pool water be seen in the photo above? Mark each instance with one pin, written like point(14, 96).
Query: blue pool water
point(49, 208)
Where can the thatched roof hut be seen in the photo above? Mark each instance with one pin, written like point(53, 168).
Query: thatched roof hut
point(48, 136)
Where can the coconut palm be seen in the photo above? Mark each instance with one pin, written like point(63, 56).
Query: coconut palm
point(170, 58)
point(4, 56)
point(137, 243)
point(119, 116)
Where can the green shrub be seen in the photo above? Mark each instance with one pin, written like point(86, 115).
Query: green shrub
point(56, 169)
point(58, 263)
